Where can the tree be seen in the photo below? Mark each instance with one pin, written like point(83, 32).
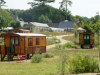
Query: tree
point(5, 18)
point(21, 19)
point(44, 19)
point(2, 2)
point(16, 24)
point(40, 2)
point(65, 3)
point(75, 31)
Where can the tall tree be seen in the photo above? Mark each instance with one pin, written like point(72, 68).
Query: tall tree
point(64, 4)
point(5, 18)
point(2, 2)
point(40, 2)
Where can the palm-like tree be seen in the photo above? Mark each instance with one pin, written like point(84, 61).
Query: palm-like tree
point(65, 3)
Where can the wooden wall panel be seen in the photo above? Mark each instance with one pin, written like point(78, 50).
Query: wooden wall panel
point(22, 49)
point(17, 50)
point(22, 40)
point(33, 50)
point(42, 41)
point(7, 41)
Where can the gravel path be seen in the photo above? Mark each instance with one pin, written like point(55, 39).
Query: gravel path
point(62, 41)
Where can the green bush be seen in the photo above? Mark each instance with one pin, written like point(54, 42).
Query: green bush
point(67, 45)
point(76, 43)
point(2, 32)
point(62, 65)
point(48, 55)
point(36, 58)
point(52, 40)
point(79, 64)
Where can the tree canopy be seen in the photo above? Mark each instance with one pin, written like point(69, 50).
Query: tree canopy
point(15, 25)
point(2, 2)
point(40, 2)
point(64, 4)
point(5, 18)
point(53, 14)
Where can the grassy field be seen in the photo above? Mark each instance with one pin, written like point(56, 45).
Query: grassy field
point(49, 66)
point(48, 34)
point(71, 38)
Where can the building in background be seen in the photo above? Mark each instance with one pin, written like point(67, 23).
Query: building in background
point(37, 27)
point(67, 25)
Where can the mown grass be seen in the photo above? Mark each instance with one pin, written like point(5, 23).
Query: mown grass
point(27, 68)
point(49, 66)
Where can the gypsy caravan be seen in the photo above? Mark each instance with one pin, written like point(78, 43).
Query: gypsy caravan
point(23, 43)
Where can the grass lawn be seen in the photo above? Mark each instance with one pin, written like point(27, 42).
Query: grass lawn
point(49, 66)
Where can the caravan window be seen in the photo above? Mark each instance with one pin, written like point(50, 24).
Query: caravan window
point(84, 36)
point(37, 41)
point(16, 40)
point(30, 41)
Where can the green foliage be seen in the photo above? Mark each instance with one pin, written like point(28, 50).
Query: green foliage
point(2, 32)
point(44, 19)
point(67, 45)
point(48, 55)
point(54, 15)
point(21, 19)
point(62, 63)
point(37, 58)
point(5, 18)
point(75, 30)
point(40, 2)
point(80, 64)
point(2, 2)
point(15, 24)
point(52, 40)
point(65, 2)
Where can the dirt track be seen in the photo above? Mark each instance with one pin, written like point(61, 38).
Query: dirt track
point(62, 41)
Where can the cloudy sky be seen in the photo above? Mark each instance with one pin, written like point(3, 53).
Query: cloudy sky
point(84, 8)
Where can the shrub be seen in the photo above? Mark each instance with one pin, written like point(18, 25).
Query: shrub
point(36, 58)
point(67, 45)
point(76, 43)
point(62, 64)
point(79, 64)
point(52, 40)
point(48, 55)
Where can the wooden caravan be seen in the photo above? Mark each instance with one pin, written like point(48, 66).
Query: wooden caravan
point(20, 31)
point(23, 43)
point(86, 39)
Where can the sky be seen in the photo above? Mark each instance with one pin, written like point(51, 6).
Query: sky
point(85, 8)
